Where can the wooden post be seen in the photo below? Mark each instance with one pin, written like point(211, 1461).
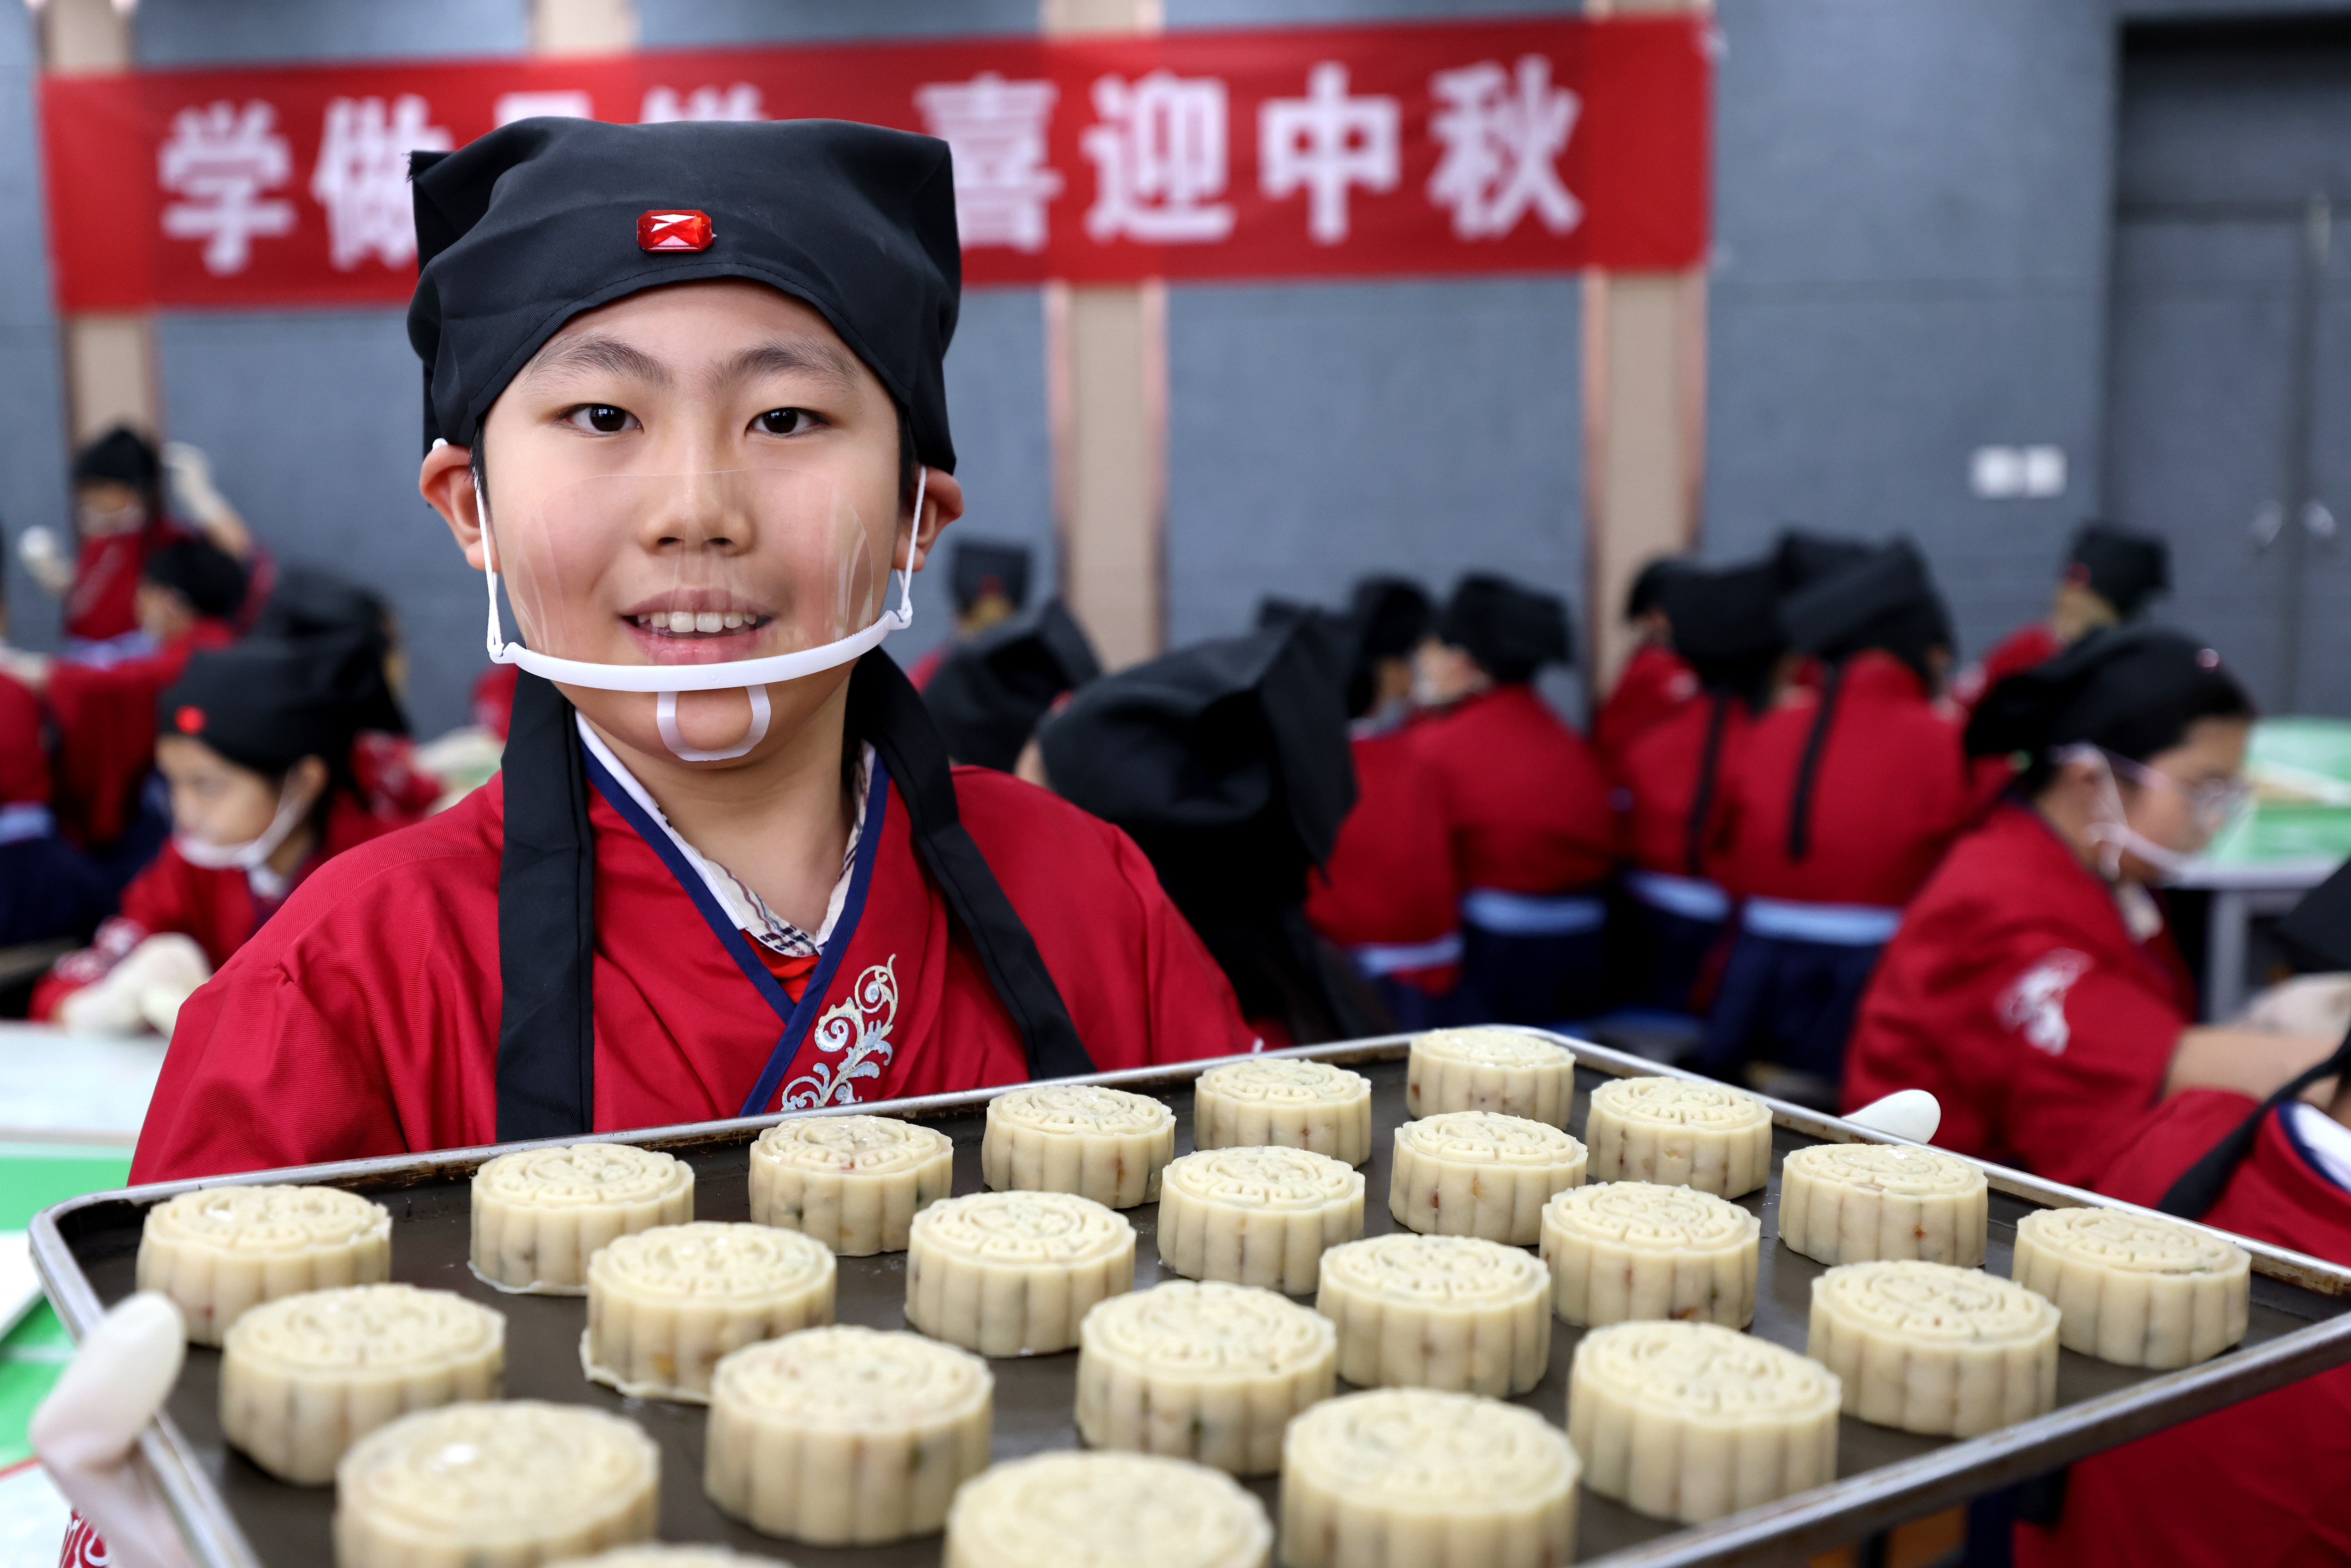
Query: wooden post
point(582, 27)
point(109, 359)
point(1644, 423)
point(1106, 389)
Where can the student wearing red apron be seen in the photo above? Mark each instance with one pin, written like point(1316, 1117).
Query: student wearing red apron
point(1844, 799)
point(1657, 682)
point(1526, 804)
point(1386, 896)
point(2267, 1482)
point(49, 889)
point(2110, 577)
point(2033, 986)
point(252, 740)
point(686, 403)
point(1675, 777)
point(105, 712)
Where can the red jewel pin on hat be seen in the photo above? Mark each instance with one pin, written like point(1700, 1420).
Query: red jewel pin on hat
point(190, 720)
point(680, 230)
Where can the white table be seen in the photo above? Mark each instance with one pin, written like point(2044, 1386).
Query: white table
point(2240, 891)
point(63, 1088)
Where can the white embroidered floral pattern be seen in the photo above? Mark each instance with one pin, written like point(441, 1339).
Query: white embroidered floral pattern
point(2035, 1005)
point(857, 1031)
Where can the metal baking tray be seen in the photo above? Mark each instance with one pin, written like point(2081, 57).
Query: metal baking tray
point(236, 1517)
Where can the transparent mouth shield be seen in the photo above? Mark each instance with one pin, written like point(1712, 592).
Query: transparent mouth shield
point(671, 583)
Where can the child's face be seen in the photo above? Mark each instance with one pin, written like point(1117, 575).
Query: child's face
point(694, 475)
point(104, 508)
point(213, 801)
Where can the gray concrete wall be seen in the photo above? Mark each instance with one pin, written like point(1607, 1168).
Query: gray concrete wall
point(33, 434)
point(1911, 221)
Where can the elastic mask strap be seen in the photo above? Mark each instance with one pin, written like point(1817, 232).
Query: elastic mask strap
point(665, 720)
point(2116, 836)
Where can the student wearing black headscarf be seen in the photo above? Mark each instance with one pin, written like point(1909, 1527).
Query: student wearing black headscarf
point(253, 741)
point(685, 405)
point(1226, 763)
point(1656, 682)
point(2033, 986)
point(1387, 895)
point(987, 693)
point(1727, 628)
point(989, 584)
point(306, 603)
point(1845, 797)
point(2111, 575)
point(1526, 803)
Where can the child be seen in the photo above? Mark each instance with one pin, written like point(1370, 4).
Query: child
point(1656, 682)
point(1525, 802)
point(1844, 798)
point(253, 740)
point(2033, 986)
point(686, 400)
point(2111, 575)
point(1387, 895)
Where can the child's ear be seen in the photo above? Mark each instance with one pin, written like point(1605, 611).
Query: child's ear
point(446, 483)
point(941, 504)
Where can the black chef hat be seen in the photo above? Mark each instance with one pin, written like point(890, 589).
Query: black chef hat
point(306, 603)
point(1648, 589)
point(2097, 689)
point(1228, 763)
point(1802, 557)
point(1511, 631)
point(266, 704)
point(120, 457)
point(1727, 624)
point(1393, 615)
point(982, 566)
point(206, 576)
point(2123, 567)
point(522, 230)
point(988, 695)
point(1885, 601)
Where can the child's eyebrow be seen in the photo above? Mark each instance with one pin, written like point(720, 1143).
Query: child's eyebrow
point(788, 356)
point(594, 352)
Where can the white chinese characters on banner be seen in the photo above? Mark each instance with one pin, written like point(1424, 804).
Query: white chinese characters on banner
point(1325, 144)
point(1159, 158)
point(1502, 138)
point(666, 105)
point(996, 129)
point(219, 160)
point(361, 178)
point(565, 104)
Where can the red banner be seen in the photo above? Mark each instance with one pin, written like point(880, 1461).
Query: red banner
point(1328, 152)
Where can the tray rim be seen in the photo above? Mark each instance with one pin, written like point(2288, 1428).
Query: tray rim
point(1841, 1511)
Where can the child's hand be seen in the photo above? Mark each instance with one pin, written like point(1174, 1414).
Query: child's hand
point(37, 548)
point(191, 482)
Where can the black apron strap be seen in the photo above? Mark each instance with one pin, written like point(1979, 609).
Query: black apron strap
point(546, 926)
point(1709, 764)
point(547, 903)
point(885, 710)
point(1808, 770)
point(2201, 1186)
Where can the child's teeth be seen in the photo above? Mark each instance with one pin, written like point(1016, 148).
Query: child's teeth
point(732, 620)
point(645, 621)
point(681, 621)
point(708, 621)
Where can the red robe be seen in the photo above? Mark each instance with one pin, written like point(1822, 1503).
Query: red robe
point(217, 907)
point(364, 1018)
point(103, 601)
point(493, 704)
point(23, 749)
point(397, 791)
point(1525, 802)
point(106, 732)
point(1659, 773)
point(1389, 882)
point(2014, 991)
point(2020, 651)
point(2263, 1484)
point(1655, 684)
point(1891, 791)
